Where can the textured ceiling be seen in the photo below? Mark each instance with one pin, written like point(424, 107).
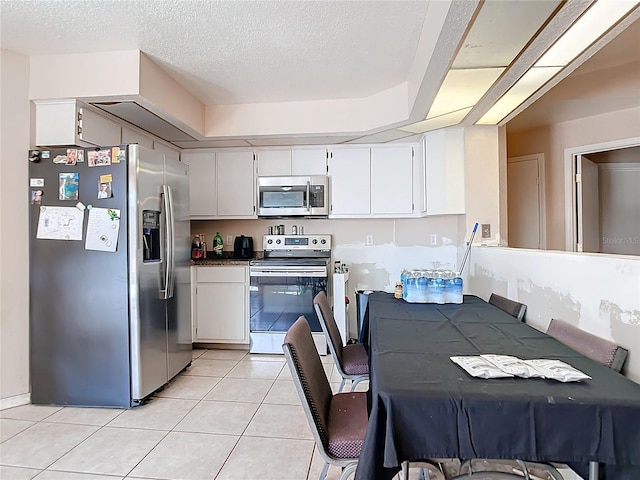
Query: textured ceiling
point(228, 52)
point(250, 52)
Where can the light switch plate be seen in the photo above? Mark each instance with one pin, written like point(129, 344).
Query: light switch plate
point(486, 230)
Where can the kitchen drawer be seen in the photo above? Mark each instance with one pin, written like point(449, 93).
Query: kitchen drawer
point(224, 274)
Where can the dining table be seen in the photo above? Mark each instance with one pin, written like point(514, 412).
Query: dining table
point(424, 406)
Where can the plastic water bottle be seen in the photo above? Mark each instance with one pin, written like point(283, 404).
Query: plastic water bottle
point(422, 284)
point(403, 279)
point(410, 291)
point(436, 289)
point(455, 290)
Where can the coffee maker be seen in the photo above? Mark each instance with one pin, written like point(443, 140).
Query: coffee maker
point(243, 247)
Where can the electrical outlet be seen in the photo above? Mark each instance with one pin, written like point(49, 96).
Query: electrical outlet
point(434, 239)
point(486, 230)
point(229, 240)
point(369, 240)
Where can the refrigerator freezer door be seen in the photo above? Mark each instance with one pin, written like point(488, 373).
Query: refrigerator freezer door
point(179, 303)
point(79, 305)
point(148, 336)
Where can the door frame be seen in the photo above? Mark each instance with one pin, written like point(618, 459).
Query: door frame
point(570, 154)
point(542, 205)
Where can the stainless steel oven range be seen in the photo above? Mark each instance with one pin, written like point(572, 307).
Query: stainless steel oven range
point(282, 286)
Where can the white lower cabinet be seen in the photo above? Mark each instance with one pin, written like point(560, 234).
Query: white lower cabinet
point(221, 304)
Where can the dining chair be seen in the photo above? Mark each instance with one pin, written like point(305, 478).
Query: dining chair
point(513, 308)
point(351, 360)
point(338, 422)
point(603, 351)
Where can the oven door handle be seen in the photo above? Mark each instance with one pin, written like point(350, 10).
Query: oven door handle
point(287, 273)
point(308, 197)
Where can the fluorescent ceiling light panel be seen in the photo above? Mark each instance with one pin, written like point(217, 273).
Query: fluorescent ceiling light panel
point(600, 17)
point(485, 45)
point(523, 89)
point(442, 121)
point(462, 89)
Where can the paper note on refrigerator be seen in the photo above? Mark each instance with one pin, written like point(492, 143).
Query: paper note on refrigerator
point(60, 223)
point(102, 229)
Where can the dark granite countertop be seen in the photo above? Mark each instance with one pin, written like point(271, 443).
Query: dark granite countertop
point(227, 259)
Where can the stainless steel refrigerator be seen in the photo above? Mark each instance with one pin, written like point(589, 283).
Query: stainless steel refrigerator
point(110, 289)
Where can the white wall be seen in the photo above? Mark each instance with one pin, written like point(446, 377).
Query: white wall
point(482, 169)
point(14, 266)
point(597, 293)
point(552, 140)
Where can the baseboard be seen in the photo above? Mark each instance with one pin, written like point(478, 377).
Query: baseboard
point(15, 401)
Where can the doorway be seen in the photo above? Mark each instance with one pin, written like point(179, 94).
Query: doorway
point(603, 198)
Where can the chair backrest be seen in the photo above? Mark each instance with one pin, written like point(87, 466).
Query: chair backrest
point(310, 379)
point(603, 351)
point(329, 325)
point(513, 308)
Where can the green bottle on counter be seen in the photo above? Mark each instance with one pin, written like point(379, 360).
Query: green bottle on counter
point(217, 245)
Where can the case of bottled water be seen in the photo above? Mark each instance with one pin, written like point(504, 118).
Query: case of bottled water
point(431, 286)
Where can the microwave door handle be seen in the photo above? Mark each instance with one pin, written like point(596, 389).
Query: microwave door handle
point(308, 196)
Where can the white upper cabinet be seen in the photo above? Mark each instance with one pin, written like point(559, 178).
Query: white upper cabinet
point(282, 163)
point(350, 188)
point(444, 171)
point(309, 161)
point(68, 122)
point(132, 136)
point(168, 151)
point(274, 163)
point(392, 180)
point(202, 182)
point(235, 184)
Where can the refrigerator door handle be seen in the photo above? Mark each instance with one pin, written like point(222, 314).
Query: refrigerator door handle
point(169, 271)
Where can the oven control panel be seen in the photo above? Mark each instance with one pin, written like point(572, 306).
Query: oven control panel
point(296, 242)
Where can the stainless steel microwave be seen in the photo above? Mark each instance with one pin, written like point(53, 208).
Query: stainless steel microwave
point(295, 196)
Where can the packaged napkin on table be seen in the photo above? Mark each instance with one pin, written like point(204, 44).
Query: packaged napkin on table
point(480, 367)
point(557, 370)
point(514, 366)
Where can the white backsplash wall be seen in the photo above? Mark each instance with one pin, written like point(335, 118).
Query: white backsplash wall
point(396, 244)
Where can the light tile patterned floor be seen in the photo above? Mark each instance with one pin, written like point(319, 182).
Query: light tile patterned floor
point(230, 416)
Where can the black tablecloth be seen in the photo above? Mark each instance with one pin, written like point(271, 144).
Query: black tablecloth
point(422, 405)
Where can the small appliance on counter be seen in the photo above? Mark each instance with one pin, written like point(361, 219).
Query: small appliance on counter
point(243, 247)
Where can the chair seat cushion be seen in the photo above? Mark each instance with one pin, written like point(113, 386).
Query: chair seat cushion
point(355, 360)
point(347, 424)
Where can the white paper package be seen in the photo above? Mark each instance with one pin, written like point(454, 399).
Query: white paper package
point(479, 367)
point(557, 370)
point(505, 366)
point(514, 366)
